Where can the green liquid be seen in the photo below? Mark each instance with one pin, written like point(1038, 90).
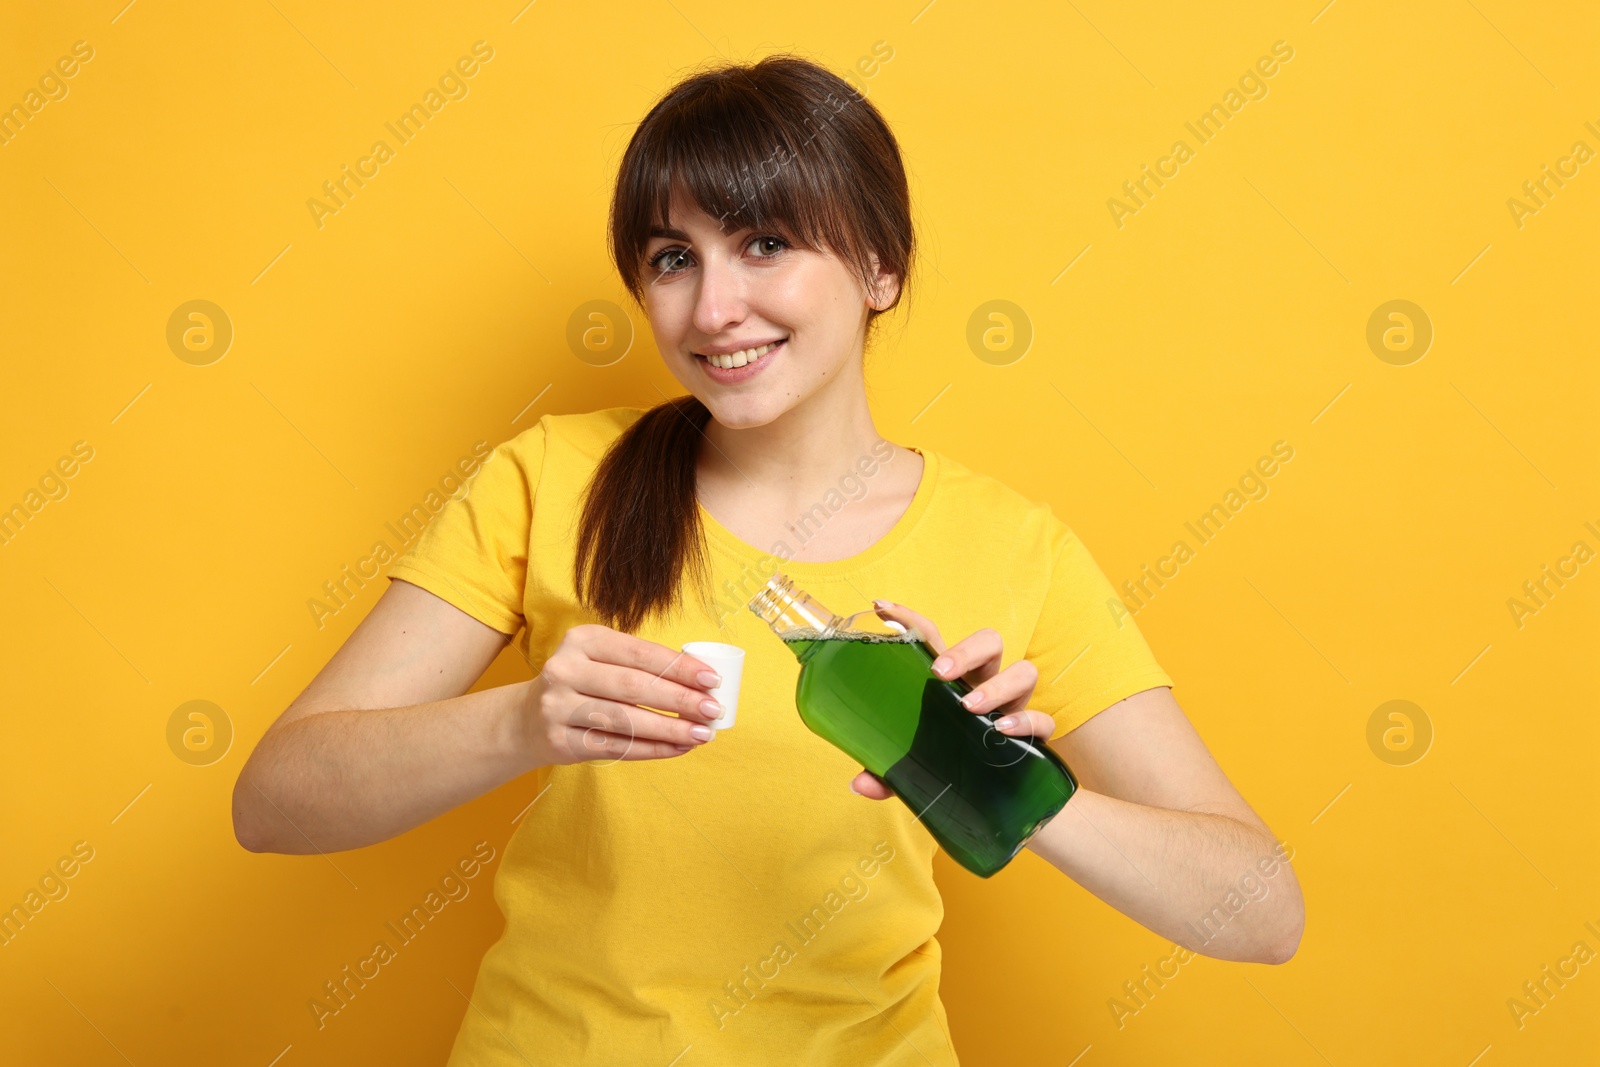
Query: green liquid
point(981, 793)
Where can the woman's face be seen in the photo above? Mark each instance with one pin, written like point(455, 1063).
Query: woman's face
point(711, 294)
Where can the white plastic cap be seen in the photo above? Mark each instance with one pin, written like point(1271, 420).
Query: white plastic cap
point(727, 661)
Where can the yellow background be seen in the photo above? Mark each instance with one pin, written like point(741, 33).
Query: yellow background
point(1229, 313)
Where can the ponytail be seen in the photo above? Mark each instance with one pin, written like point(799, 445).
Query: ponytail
point(640, 527)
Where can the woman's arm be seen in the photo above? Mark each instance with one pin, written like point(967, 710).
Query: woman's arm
point(335, 772)
point(1157, 831)
point(386, 736)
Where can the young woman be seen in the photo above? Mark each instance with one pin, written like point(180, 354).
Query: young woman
point(731, 899)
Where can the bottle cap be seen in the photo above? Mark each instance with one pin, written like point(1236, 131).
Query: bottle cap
point(727, 661)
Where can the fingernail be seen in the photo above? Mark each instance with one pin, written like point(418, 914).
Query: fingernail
point(941, 665)
point(702, 732)
point(973, 699)
point(1006, 722)
point(882, 605)
point(683, 748)
point(708, 679)
point(853, 788)
point(711, 709)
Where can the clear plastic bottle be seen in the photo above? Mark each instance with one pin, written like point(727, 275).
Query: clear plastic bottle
point(870, 690)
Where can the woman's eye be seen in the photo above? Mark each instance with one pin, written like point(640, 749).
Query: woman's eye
point(669, 260)
point(765, 241)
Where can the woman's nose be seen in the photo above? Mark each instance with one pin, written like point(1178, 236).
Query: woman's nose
point(720, 299)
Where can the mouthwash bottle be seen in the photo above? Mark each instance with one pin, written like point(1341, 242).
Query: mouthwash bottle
point(872, 693)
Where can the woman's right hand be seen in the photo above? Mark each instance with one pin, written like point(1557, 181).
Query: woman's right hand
point(585, 704)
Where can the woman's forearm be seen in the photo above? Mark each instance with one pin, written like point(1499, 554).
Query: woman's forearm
point(338, 780)
point(1208, 882)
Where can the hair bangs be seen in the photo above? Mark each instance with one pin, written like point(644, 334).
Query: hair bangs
point(761, 176)
point(729, 145)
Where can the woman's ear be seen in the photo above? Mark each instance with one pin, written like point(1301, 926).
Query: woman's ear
point(885, 289)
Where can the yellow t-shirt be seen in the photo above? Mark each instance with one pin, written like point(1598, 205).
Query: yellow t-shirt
point(738, 900)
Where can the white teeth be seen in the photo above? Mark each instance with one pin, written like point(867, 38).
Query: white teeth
point(739, 359)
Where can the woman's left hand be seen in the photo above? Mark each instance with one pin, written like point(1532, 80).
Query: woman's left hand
point(976, 659)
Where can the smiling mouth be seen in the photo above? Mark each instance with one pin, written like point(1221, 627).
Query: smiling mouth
point(740, 359)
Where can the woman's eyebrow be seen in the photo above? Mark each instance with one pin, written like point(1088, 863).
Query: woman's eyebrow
point(678, 235)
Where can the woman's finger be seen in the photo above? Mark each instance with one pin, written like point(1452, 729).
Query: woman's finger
point(1008, 691)
point(605, 645)
point(610, 681)
point(906, 617)
point(870, 786)
point(611, 717)
point(975, 658)
point(1027, 724)
point(597, 745)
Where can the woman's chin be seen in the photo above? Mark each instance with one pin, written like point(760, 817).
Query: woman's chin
point(744, 412)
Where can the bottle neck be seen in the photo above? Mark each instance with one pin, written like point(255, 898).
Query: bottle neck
point(792, 612)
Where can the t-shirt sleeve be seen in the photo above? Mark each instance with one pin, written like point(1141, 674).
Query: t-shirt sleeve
point(474, 553)
point(1088, 650)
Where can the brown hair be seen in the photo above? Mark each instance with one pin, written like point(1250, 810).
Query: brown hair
point(783, 144)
